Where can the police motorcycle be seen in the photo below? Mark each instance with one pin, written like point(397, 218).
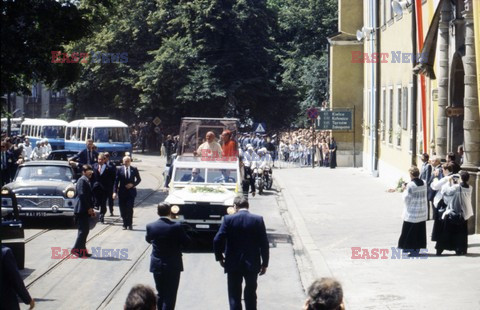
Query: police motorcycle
point(265, 163)
point(249, 160)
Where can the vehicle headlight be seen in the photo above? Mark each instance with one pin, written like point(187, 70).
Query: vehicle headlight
point(230, 210)
point(175, 209)
point(70, 193)
point(5, 191)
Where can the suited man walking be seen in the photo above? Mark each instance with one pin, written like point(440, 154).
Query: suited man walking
point(102, 184)
point(86, 156)
point(243, 239)
point(83, 210)
point(112, 181)
point(125, 187)
point(167, 239)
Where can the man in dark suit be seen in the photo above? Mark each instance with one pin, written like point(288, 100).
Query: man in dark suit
point(6, 163)
point(83, 210)
point(125, 187)
point(167, 239)
point(102, 184)
point(194, 177)
point(113, 168)
point(243, 239)
point(12, 283)
point(88, 156)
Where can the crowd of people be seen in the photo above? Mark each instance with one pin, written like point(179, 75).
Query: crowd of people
point(445, 188)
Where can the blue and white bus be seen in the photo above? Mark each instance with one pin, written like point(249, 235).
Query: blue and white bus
point(37, 129)
point(108, 135)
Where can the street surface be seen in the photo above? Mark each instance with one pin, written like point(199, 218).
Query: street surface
point(332, 210)
point(103, 283)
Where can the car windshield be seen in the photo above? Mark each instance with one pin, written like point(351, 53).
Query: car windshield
point(53, 132)
point(110, 134)
point(194, 175)
point(44, 173)
point(222, 176)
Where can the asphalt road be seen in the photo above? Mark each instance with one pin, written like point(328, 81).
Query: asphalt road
point(104, 282)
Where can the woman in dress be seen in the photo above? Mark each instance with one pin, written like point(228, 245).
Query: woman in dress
point(333, 153)
point(414, 229)
point(454, 235)
point(325, 153)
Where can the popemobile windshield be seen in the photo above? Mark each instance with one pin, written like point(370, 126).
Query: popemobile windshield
point(202, 188)
point(108, 135)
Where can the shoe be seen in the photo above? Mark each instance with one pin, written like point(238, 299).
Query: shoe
point(130, 227)
point(439, 252)
point(253, 194)
point(87, 255)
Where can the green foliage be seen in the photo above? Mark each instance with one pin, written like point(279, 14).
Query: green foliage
point(31, 30)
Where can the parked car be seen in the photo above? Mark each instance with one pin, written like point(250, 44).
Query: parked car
point(61, 155)
point(11, 231)
point(44, 188)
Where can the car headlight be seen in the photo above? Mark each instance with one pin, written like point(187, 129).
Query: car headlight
point(5, 191)
point(230, 210)
point(70, 193)
point(175, 209)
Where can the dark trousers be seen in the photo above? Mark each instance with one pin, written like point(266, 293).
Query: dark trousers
point(235, 280)
point(101, 203)
point(110, 201)
point(126, 209)
point(83, 230)
point(166, 284)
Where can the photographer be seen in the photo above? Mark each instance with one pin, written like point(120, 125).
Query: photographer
point(454, 234)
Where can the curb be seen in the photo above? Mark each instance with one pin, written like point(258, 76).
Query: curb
point(310, 260)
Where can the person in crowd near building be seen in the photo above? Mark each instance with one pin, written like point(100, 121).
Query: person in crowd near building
point(141, 297)
point(83, 211)
point(460, 153)
point(241, 247)
point(414, 229)
point(12, 283)
point(440, 201)
point(454, 235)
point(126, 181)
point(324, 294)
point(168, 239)
point(332, 148)
point(27, 149)
point(451, 159)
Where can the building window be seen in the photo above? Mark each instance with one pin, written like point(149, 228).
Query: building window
point(398, 130)
point(383, 119)
point(390, 116)
point(405, 103)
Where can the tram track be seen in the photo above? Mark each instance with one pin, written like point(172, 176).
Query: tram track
point(38, 234)
point(97, 234)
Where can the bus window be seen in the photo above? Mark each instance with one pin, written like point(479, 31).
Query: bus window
point(113, 134)
point(53, 132)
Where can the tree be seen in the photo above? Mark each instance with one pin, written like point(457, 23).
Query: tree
point(30, 31)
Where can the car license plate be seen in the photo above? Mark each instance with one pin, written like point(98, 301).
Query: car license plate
point(34, 214)
point(204, 226)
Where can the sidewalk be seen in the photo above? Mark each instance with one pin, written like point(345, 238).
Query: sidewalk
point(329, 211)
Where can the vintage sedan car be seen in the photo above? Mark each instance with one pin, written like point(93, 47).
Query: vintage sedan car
point(61, 155)
point(11, 229)
point(44, 188)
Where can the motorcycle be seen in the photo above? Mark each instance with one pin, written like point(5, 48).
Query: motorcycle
point(259, 179)
point(267, 177)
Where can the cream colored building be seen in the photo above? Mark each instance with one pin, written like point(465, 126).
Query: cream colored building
point(346, 80)
point(401, 118)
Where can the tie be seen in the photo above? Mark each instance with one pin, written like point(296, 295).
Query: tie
point(100, 169)
point(127, 173)
point(89, 157)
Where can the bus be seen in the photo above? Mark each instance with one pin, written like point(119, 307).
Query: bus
point(14, 125)
point(37, 129)
point(108, 135)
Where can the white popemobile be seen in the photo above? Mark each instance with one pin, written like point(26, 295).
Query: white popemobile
point(202, 189)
